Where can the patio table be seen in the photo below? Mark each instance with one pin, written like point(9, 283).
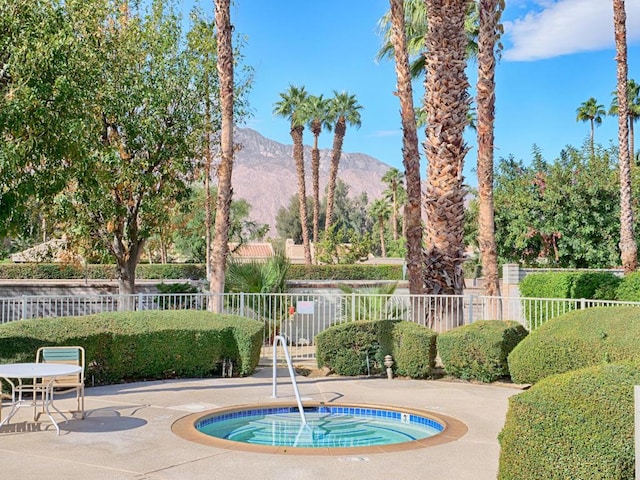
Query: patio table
point(23, 371)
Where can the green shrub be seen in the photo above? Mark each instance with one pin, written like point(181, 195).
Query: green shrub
point(579, 425)
point(345, 272)
point(345, 348)
point(479, 351)
point(142, 345)
point(629, 288)
point(192, 271)
point(565, 285)
point(414, 350)
point(576, 340)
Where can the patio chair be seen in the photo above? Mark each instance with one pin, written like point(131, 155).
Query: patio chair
point(69, 383)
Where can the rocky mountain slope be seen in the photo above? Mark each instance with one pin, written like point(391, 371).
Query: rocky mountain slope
point(264, 174)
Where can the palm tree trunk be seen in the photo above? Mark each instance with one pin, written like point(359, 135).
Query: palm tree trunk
point(593, 138)
point(383, 247)
point(338, 139)
point(412, 220)
point(447, 104)
point(220, 248)
point(628, 247)
point(486, 88)
point(208, 160)
point(298, 156)
point(315, 177)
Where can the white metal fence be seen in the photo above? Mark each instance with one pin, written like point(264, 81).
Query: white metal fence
point(300, 317)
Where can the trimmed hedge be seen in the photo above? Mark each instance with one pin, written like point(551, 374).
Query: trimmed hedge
point(169, 271)
point(629, 288)
point(479, 351)
point(345, 272)
point(579, 425)
point(62, 271)
point(142, 345)
point(576, 340)
point(574, 285)
point(345, 348)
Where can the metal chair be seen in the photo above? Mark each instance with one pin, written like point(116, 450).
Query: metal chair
point(70, 383)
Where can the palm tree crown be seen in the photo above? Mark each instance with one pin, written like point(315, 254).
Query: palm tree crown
point(591, 111)
point(343, 110)
point(291, 105)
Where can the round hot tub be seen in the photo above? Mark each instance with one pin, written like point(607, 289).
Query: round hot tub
point(326, 428)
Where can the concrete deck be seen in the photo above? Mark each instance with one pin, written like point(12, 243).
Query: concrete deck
point(126, 434)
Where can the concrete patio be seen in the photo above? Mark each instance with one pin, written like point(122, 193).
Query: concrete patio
point(127, 435)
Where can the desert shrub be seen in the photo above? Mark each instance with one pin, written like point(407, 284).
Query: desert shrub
point(345, 348)
point(479, 351)
point(576, 340)
point(142, 345)
point(577, 425)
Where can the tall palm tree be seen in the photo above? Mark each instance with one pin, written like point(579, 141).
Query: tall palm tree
point(380, 211)
point(291, 106)
point(591, 111)
point(446, 104)
point(317, 111)
point(393, 178)
point(412, 219)
point(223, 202)
point(633, 106)
point(489, 34)
point(628, 246)
point(344, 110)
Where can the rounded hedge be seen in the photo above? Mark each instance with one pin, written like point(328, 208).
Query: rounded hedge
point(576, 340)
point(479, 351)
point(578, 425)
point(357, 348)
point(142, 345)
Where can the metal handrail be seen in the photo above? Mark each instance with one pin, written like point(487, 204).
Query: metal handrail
point(283, 342)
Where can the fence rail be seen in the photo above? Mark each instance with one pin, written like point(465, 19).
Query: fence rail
point(300, 317)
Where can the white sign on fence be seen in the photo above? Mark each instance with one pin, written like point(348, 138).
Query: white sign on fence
point(305, 307)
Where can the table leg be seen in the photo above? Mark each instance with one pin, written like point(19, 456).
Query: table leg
point(14, 403)
point(48, 402)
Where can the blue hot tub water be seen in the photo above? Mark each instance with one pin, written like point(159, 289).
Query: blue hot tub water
point(327, 426)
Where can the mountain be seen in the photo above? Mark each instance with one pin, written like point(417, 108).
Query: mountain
point(264, 174)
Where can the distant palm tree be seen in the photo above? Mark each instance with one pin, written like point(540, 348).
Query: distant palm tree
point(380, 211)
point(591, 111)
point(220, 248)
point(291, 106)
point(317, 111)
point(633, 105)
point(393, 178)
point(344, 110)
point(628, 246)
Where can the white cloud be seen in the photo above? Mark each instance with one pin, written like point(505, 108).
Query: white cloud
point(561, 27)
point(386, 133)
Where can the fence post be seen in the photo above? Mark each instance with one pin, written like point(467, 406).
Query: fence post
point(471, 305)
point(353, 306)
point(583, 303)
point(140, 302)
point(24, 307)
point(242, 304)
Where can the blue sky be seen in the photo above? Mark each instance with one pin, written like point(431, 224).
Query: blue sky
point(557, 54)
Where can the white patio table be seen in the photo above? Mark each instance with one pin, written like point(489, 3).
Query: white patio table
point(23, 371)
